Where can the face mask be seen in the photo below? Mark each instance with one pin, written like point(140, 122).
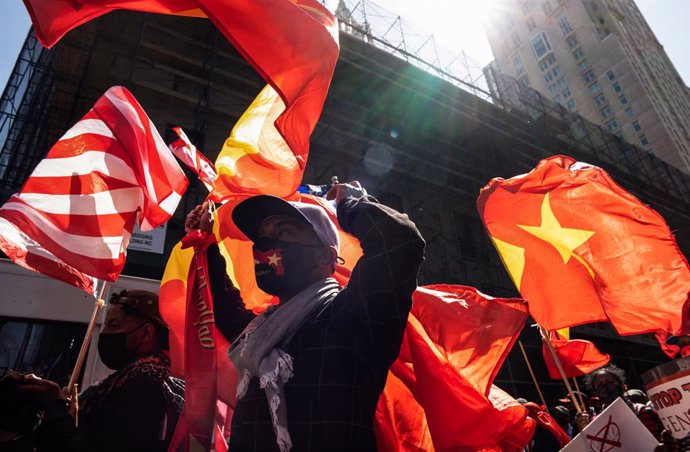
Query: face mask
point(609, 391)
point(112, 349)
point(281, 268)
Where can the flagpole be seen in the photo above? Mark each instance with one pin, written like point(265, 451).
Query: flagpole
point(97, 306)
point(579, 393)
point(545, 335)
point(531, 372)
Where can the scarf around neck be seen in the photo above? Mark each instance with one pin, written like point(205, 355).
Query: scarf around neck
point(260, 350)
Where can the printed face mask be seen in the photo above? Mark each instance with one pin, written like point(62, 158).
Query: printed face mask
point(281, 268)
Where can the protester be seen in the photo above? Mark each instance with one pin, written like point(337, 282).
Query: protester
point(134, 409)
point(609, 383)
point(311, 369)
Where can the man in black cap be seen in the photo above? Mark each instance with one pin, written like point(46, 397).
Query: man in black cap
point(135, 408)
point(311, 369)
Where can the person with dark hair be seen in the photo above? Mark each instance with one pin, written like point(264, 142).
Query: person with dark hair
point(311, 369)
point(135, 408)
point(609, 383)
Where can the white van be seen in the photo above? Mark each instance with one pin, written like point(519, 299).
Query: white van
point(43, 321)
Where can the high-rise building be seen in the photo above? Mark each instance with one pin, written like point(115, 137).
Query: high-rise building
point(598, 58)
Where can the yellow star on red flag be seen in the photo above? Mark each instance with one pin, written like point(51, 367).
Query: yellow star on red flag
point(565, 240)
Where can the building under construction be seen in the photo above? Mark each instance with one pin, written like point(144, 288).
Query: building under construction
point(418, 137)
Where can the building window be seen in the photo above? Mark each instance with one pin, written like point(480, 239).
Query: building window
point(578, 54)
point(629, 113)
point(566, 93)
point(606, 112)
point(610, 75)
point(561, 83)
point(558, 99)
point(516, 39)
point(620, 136)
point(616, 87)
point(550, 59)
point(540, 45)
point(553, 89)
point(530, 24)
point(572, 42)
point(588, 76)
point(471, 236)
point(636, 126)
point(548, 77)
point(600, 100)
point(546, 6)
point(571, 105)
point(525, 81)
point(594, 88)
point(623, 100)
point(556, 71)
point(519, 67)
point(643, 140)
point(612, 125)
point(584, 64)
point(564, 24)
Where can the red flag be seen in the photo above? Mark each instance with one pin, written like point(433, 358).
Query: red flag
point(440, 391)
point(581, 249)
point(74, 215)
point(293, 44)
point(195, 428)
point(547, 422)
point(194, 159)
point(578, 357)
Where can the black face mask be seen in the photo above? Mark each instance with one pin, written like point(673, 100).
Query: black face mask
point(282, 268)
point(609, 391)
point(112, 349)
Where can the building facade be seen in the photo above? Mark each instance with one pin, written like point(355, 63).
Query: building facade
point(598, 58)
point(418, 143)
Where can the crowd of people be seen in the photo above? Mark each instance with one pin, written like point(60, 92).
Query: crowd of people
point(310, 369)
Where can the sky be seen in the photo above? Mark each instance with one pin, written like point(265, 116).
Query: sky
point(454, 23)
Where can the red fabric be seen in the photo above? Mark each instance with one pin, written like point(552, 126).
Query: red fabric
point(578, 357)
point(293, 44)
point(194, 159)
point(73, 217)
point(438, 393)
point(195, 427)
point(581, 249)
point(546, 421)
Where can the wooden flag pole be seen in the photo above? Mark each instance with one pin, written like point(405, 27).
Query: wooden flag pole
point(579, 393)
point(98, 305)
point(545, 335)
point(531, 372)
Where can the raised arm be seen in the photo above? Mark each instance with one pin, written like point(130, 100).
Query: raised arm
point(230, 315)
point(382, 282)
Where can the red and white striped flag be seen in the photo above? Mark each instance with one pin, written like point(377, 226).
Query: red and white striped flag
point(193, 158)
point(73, 217)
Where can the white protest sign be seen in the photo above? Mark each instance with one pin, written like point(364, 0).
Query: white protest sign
point(616, 429)
point(152, 241)
point(671, 399)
